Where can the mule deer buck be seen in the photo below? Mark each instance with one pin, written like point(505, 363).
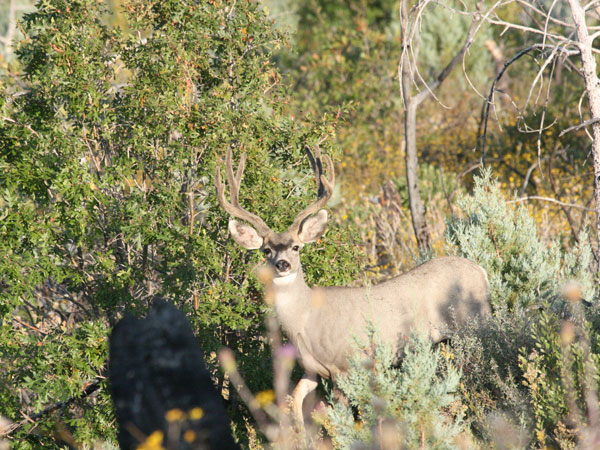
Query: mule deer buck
point(322, 322)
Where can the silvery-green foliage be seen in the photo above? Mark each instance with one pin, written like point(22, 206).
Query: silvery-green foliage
point(576, 263)
point(413, 401)
point(442, 33)
point(502, 238)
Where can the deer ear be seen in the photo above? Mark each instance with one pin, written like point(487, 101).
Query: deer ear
point(245, 235)
point(313, 227)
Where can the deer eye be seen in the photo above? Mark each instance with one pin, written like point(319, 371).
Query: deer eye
point(296, 248)
point(267, 251)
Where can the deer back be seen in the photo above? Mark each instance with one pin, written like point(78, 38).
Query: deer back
point(434, 297)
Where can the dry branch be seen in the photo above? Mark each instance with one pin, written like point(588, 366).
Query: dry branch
point(490, 99)
point(585, 124)
point(549, 199)
point(88, 390)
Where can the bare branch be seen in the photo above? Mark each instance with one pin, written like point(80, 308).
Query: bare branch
point(551, 200)
point(545, 15)
point(547, 61)
point(585, 124)
point(473, 28)
point(489, 101)
point(579, 107)
point(543, 118)
point(595, 35)
point(524, 28)
point(591, 4)
point(88, 390)
point(592, 84)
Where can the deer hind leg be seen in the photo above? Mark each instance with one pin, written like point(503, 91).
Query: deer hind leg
point(305, 386)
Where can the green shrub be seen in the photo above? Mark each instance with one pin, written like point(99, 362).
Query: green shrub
point(532, 373)
point(106, 193)
point(531, 366)
point(413, 406)
point(502, 238)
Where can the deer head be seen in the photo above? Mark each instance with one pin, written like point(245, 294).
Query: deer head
point(282, 250)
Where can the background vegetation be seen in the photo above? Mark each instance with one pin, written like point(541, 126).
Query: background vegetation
point(114, 115)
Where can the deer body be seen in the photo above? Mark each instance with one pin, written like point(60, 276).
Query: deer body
point(323, 322)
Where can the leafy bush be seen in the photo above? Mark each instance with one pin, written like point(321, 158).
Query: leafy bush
point(532, 374)
point(532, 365)
point(413, 406)
point(502, 238)
point(107, 161)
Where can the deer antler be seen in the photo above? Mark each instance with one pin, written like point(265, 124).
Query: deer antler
point(324, 190)
point(234, 207)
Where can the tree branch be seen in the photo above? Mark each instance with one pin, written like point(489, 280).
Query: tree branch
point(421, 96)
point(88, 390)
point(549, 199)
point(489, 100)
point(579, 126)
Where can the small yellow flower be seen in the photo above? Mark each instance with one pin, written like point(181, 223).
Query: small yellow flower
point(265, 398)
point(175, 415)
point(152, 442)
point(540, 435)
point(196, 413)
point(189, 436)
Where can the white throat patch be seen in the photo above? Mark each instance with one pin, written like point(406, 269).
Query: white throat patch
point(285, 280)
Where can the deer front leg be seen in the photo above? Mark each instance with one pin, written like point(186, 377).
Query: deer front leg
point(305, 386)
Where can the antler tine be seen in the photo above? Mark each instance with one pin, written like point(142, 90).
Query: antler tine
point(317, 167)
point(234, 181)
point(234, 207)
point(324, 190)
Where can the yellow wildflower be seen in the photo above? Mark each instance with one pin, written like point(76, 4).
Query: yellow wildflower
point(189, 435)
point(175, 415)
point(152, 442)
point(265, 398)
point(196, 413)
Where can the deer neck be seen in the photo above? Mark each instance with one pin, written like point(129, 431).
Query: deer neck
point(292, 302)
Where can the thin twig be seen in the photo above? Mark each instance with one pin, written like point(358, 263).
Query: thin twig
point(546, 16)
point(16, 319)
point(585, 124)
point(524, 28)
point(227, 360)
point(551, 200)
point(489, 100)
point(429, 88)
point(86, 392)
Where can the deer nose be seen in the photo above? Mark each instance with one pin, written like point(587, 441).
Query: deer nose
point(282, 265)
